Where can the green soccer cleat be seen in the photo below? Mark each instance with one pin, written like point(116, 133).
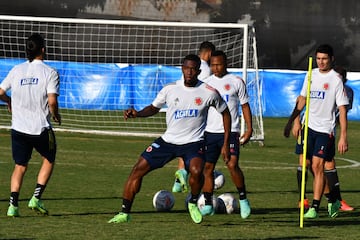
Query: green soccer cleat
point(333, 209)
point(13, 211)
point(245, 209)
point(311, 213)
point(176, 187)
point(195, 212)
point(207, 210)
point(37, 205)
point(182, 175)
point(120, 218)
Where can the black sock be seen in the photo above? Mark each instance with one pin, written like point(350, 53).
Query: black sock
point(208, 198)
point(126, 206)
point(242, 193)
point(194, 198)
point(14, 199)
point(316, 205)
point(299, 179)
point(39, 189)
point(334, 185)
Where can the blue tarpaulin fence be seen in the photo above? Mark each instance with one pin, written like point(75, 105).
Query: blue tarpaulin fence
point(115, 87)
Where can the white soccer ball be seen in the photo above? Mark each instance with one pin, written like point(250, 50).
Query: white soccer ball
point(163, 201)
point(231, 203)
point(201, 201)
point(219, 180)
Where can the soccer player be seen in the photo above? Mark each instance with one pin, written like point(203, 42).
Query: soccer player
point(34, 91)
point(326, 93)
point(181, 175)
point(233, 91)
point(188, 101)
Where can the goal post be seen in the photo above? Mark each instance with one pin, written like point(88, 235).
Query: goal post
point(106, 66)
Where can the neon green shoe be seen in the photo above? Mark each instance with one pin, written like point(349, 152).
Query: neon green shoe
point(311, 213)
point(13, 211)
point(37, 205)
point(176, 187)
point(195, 212)
point(207, 210)
point(182, 175)
point(245, 209)
point(120, 218)
point(333, 209)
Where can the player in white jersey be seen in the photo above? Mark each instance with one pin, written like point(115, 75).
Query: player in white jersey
point(181, 175)
point(233, 90)
point(326, 94)
point(34, 91)
point(188, 103)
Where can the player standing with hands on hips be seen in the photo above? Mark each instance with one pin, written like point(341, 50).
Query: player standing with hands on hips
point(188, 101)
point(34, 91)
point(233, 91)
point(327, 94)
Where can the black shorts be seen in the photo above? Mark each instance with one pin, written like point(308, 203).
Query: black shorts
point(214, 143)
point(23, 145)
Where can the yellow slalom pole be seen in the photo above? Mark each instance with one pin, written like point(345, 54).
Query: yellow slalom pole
point(305, 143)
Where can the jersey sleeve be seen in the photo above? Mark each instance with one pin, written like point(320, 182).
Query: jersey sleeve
point(160, 99)
point(6, 83)
point(54, 83)
point(242, 93)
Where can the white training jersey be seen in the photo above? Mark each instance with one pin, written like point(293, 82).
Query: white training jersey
point(30, 82)
point(326, 94)
point(187, 110)
point(205, 70)
point(233, 90)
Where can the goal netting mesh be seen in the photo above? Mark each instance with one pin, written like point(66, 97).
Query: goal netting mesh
point(107, 66)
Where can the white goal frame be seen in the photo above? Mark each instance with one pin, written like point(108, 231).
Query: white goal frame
point(70, 46)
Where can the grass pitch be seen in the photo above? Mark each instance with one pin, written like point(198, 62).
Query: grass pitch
point(86, 187)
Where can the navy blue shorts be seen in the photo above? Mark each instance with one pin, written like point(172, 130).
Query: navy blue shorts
point(23, 145)
point(214, 143)
point(160, 153)
point(319, 144)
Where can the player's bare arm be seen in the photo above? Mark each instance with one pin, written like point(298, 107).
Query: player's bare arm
point(5, 98)
point(245, 138)
point(343, 143)
point(299, 106)
point(54, 107)
point(148, 111)
point(225, 150)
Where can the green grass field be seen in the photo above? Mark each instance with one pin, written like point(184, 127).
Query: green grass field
point(86, 187)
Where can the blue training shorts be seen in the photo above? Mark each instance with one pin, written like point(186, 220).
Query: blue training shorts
point(23, 145)
point(319, 144)
point(160, 153)
point(214, 143)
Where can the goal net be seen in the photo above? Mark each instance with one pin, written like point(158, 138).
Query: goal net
point(106, 66)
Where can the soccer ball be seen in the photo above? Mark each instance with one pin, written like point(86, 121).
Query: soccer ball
point(231, 204)
point(201, 201)
point(163, 201)
point(219, 180)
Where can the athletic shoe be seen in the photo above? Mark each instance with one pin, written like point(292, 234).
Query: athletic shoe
point(195, 212)
point(182, 175)
point(333, 209)
point(120, 218)
point(306, 204)
point(176, 187)
point(37, 205)
point(311, 213)
point(245, 209)
point(345, 207)
point(207, 210)
point(13, 211)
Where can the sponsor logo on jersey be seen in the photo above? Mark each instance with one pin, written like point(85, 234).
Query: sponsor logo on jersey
point(29, 81)
point(317, 94)
point(226, 97)
point(188, 113)
point(198, 101)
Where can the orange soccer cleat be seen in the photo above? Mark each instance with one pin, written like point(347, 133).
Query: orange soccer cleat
point(345, 207)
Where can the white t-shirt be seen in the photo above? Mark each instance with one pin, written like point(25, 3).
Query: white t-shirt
point(326, 93)
point(30, 82)
point(233, 90)
point(187, 110)
point(205, 70)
